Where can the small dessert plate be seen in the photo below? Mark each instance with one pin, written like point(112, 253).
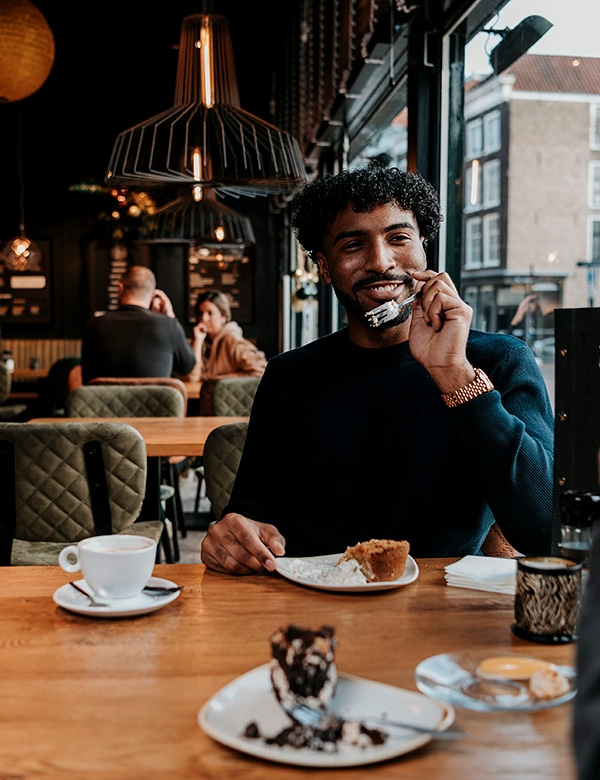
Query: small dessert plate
point(68, 598)
point(250, 698)
point(319, 571)
point(461, 679)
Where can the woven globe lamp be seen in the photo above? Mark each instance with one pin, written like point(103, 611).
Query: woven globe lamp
point(26, 50)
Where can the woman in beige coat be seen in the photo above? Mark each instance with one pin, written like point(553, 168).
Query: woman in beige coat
point(219, 344)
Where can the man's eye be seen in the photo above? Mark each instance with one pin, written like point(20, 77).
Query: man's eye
point(353, 245)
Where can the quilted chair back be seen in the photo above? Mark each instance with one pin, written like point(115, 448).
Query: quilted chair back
point(53, 477)
point(228, 397)
point(222, 454)
point(125, 401)
point(166, 380)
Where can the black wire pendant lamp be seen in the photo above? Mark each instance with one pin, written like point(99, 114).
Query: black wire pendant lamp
point(206, 139)
point(199, 219)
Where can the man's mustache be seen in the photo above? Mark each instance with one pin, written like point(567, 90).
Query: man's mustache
point(405, 279)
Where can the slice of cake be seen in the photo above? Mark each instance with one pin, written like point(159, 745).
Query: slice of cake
point(303, 670)
point(380, 560)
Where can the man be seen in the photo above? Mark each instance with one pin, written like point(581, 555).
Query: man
point(389, 431)
point(142, 338)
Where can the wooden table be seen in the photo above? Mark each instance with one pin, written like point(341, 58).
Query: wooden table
point(193, 389)
point(119, 698)
point(29, 374)
point(164, 436)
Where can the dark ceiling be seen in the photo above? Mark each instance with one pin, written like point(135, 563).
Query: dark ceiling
point(115, 66)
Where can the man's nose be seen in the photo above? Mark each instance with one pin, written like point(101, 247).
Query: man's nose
point(380, 257)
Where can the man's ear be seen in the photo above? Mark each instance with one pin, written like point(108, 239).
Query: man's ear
point(321, 262)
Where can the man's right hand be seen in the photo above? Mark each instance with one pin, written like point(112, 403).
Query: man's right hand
point(238, 545)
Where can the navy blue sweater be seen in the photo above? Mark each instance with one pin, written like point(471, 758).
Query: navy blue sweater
point(347, 443)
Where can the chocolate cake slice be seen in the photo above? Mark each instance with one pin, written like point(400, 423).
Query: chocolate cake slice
point(303, 670)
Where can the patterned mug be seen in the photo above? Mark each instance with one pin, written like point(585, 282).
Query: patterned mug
point(547, 599)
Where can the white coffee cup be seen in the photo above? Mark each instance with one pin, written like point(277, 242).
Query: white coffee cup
point(115, 567)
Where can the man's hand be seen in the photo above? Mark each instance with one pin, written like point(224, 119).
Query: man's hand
point(161, 303)
point(439, 331)
point(238, 545)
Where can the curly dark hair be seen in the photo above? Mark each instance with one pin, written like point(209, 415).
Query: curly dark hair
point(320, 201)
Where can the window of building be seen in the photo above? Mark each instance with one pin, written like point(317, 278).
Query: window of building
point(491, 240)
point(491, 132)
point(491, 184)
point(594, 240)
point(473, 243)
point(594, 185)
point(595, 126)
point(474, 139)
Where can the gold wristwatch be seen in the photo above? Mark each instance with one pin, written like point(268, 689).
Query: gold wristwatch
point(480, 385)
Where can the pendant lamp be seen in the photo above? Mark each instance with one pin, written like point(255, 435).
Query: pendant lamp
point(26, 50)
point(198, 218)
point(207, 139)
point(21, 253)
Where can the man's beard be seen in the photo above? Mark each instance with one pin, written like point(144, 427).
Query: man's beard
point(353, 307)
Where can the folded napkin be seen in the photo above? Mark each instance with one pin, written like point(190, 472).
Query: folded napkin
point(497, 575)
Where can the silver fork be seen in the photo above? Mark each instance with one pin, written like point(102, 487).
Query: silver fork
point(310, 717)
point(93, 601)
point(388, 310)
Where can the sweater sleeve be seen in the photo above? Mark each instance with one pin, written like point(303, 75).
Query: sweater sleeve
point(509, 432)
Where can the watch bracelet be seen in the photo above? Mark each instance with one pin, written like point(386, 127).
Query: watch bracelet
point(480, 385)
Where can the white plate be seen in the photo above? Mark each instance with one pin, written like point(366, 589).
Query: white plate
point(250, 698)
point(294, 569)
point(450, 677)
point(68, 598)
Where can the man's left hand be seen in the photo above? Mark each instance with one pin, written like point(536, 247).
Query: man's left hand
point(439, 331)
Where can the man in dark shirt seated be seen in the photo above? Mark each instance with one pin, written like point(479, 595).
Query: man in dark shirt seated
point(419, 429)
point(142, 338)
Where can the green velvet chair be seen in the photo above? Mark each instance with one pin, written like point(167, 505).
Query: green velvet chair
point(222, 454)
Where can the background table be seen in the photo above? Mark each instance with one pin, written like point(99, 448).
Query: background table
point(164, 436)
point(119, 698)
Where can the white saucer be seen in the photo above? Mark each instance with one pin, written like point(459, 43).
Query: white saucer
point(299, 570)
point(250, 698)
point(68, 598)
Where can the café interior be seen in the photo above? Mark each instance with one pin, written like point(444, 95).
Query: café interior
point(176, 139)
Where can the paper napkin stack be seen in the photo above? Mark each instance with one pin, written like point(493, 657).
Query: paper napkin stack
point(497, 575)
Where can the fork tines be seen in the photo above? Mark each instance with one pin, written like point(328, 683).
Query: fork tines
point(384, 313)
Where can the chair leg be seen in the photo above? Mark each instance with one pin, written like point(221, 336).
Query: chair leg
point(173, 517)
point(166, 545)
point(178, 504)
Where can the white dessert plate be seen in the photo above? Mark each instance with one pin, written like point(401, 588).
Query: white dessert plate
point(68, 598)
point(451, 677)
point(314, 571)
point(250, 698)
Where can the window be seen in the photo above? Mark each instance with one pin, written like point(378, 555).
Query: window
point(474, 140)
point(595, 126)
point(594, 243)
point(473, 243)
point(491, 132)
point(491, 240)
point(491, 184)
point(594, 185)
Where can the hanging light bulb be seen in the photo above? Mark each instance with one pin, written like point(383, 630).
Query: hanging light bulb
point(21, 253)
point(219, 233)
